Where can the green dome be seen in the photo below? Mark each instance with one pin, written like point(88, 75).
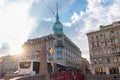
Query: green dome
point(58, 27)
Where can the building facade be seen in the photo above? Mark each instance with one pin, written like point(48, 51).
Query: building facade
point(85, 64)
point(104, 48)
point(9, 63)
point(61, 51)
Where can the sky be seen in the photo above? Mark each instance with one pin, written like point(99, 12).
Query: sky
point(21, 20)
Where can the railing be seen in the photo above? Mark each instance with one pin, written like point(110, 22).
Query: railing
point(67, 76)
point(102, 77)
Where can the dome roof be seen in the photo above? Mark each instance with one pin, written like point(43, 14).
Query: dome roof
point(58, 27)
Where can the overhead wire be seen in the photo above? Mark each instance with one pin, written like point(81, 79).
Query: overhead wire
point(48, 7)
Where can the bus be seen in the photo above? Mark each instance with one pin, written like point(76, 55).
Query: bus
point(30, 67)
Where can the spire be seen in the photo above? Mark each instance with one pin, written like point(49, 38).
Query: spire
point(57, 17)
point(58, 27)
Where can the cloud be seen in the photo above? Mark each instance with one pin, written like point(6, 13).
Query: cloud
point(16, 22)
point(48, 19)
point(98, 12)
point(4, 49)
point(67, 24)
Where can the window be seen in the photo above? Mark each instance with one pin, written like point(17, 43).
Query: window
point(110, 35)
point(118, 40)
point(96, 37)
point(113, 50)
point(100, 60)
point(98, 44)
point(59, 49)
point(112, 31)
point(105, 43)
point(99, 52)
point(101, 35)
point(92, 44)
point(115, 59)
point(112, 42)
point(59, 56)
point(94, 61)
point(108, 60)
point(25, 65)
point(92, 38)
point(59, 53)
point(117, 32)
point(59, 43)
point(104, 36)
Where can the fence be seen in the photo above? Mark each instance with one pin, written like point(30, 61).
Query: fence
point(102, 77)
point(67, 76)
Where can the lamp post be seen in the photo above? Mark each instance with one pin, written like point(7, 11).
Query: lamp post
point(51, 51)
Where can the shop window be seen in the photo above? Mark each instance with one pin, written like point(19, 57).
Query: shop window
point(99, 70)
point(114, 70)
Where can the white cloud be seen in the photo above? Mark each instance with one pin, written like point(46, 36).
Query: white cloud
point(48, 19)
point(15, 22)
point(75, 17)
point(67, 24)
point(96, 14)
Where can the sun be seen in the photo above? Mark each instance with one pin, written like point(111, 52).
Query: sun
point(16, 51)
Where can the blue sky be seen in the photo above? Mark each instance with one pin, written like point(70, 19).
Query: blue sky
point(25, 19)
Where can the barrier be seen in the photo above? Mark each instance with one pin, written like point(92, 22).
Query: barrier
point(67, 76)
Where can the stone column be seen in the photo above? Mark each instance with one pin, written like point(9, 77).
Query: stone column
point(93, 71)
point(107, 70)
point(119, 69)
point(43, 61)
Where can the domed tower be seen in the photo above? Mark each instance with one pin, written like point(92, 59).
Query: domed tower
point(58, 27)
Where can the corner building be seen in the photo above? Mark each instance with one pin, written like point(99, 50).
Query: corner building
point(104, 49)
point(61, 52)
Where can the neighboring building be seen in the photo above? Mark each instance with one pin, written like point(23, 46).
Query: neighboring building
point(1, 60)
point(61, 51)
point(104, 48)
point(9, 63)
point(85, 64)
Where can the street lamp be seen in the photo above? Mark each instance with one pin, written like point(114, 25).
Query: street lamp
point(51, 51)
